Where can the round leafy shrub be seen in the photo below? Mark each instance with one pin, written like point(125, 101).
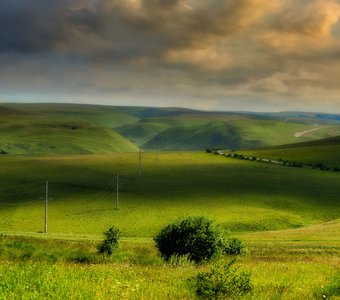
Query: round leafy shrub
point(110, 242)
point(224, 281)
point(197, 237)
point(235, 246)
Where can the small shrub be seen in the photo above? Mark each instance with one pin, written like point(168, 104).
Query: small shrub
point(197, 237)
point(110, 242)
point(223, 282)
point(235, 246)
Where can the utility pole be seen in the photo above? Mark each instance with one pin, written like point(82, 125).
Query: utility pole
point(117, 196)
point(157, 151)
point(140, 163)
point(46, 206)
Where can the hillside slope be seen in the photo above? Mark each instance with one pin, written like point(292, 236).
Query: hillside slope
point(221, 130)
point(324, 151)
point(37, 132)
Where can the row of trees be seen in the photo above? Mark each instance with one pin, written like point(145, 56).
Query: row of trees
point(284, 162)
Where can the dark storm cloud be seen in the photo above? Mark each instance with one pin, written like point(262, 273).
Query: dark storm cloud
point(136, 28)
point(29, 26)
point(217, 49)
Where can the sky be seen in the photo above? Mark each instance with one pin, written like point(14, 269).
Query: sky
point(249, 55)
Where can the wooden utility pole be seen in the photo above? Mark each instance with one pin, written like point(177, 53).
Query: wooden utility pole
point(46, 206)
point(140, 163)
point(117, 196)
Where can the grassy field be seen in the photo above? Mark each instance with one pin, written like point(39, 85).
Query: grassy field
point(243, 196)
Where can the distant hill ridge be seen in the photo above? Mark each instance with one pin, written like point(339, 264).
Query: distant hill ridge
point(52, 128)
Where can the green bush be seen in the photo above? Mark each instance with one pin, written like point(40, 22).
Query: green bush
point(224, 281)
point(197, 237)
point(110, 242)
point(235, 246)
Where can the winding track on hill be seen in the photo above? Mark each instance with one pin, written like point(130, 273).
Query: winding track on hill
point(299, 134)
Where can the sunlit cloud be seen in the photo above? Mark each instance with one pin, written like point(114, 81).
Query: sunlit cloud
point(247, 54)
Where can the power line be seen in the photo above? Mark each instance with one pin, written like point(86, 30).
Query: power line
point(23, 193)
point(103, 191)
point(19, 203)
point(140, 163)
point(17, 186)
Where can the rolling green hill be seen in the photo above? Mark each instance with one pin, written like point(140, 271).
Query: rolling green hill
point(243, 196)
point(74, 128)
point(230, 131)
point(194, 130)
point(324, 151)
point(59, 129)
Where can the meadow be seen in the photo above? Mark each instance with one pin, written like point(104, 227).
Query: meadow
point(288, 217)
point(242, 196)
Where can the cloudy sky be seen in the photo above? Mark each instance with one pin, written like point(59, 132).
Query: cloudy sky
point(209, 54)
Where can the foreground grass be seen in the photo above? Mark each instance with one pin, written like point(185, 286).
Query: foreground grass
point(33, 268)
